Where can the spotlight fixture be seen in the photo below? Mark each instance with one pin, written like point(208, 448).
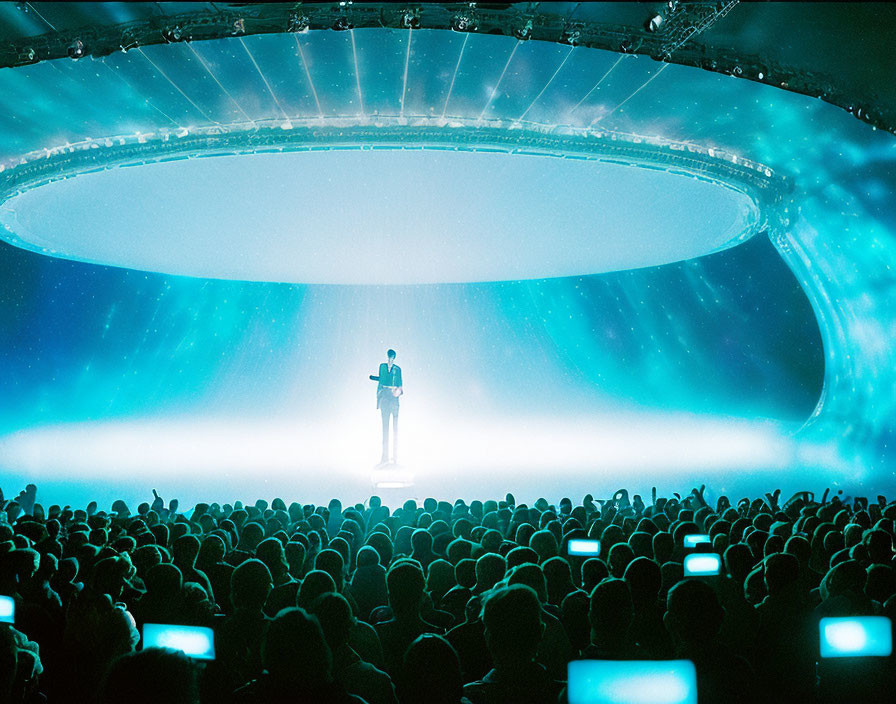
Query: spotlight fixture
point(411, 19)
point(173, 34)
point(342, 23)
point(463, 22)
point(76, 49)
point(571, 36)
point(654, 23)
point(525, 32)
point(297, 23)
point(128, 42)
point(27, 55)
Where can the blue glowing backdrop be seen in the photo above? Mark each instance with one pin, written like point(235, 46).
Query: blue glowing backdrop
point(569, 324)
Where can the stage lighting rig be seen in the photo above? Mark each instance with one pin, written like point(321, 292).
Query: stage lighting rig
point(175, 34)
point(411, 19)
point(76, 49)
point(464, 21)
point(298, 23)
point(525, 32)
point(571, 35)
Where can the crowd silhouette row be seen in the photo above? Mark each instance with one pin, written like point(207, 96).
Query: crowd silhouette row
point(439, 602)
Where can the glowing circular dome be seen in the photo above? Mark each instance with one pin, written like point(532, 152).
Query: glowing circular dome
point(140, 88)
point(380, 217)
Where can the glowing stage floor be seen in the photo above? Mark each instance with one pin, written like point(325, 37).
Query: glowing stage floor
point(219, 459)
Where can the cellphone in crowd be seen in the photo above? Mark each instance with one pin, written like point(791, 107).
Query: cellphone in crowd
point(693, 540)
point(858, 636)
point(632, 682)
point(579, 546)
point(195, 641)
point(702, 564)
point(7, 609)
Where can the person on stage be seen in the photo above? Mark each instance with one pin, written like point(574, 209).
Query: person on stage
point(388, 390)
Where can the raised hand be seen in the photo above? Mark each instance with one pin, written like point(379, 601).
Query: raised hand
point(26, 499)
point(672, 507)
point(697, 495)
point(807, 497)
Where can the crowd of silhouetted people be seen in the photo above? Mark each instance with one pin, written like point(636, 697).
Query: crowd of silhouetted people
point(437, 602)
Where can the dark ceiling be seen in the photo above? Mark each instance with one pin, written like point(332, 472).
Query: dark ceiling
point(844, 53)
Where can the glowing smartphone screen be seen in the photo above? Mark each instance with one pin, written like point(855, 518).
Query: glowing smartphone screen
point(195, 641)
point(632, 682)
point(692, 541)
point(858, 636)
point(7, 609)
point(577, 546)
point(702, 564)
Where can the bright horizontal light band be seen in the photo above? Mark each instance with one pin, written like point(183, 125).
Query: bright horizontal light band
point(693, 540)
point(7, 609)
point(583, 547)
point(386, 216)
point(856, 637)
point(195, 641)
point(632, 682)
point(702, 565)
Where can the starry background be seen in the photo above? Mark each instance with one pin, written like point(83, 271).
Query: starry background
point(730, 333)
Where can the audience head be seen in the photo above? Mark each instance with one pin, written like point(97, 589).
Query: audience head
point(693, 613)
point(250, 585)
point(149, 676)
point(335, 616)
point(432, 672)
point(405, 584)
point(513, 624)
point(295, 651)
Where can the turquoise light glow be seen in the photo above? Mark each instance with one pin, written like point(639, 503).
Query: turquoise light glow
point(583, 547)
point(632, 682)
point(773, 357)
point(196, 641)
point(856, 637)
point(702, 565)
point(381, 217)
point(693, 540)
point(7, 609)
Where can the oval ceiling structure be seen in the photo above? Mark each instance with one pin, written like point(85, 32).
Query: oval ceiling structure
point(380, 217)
